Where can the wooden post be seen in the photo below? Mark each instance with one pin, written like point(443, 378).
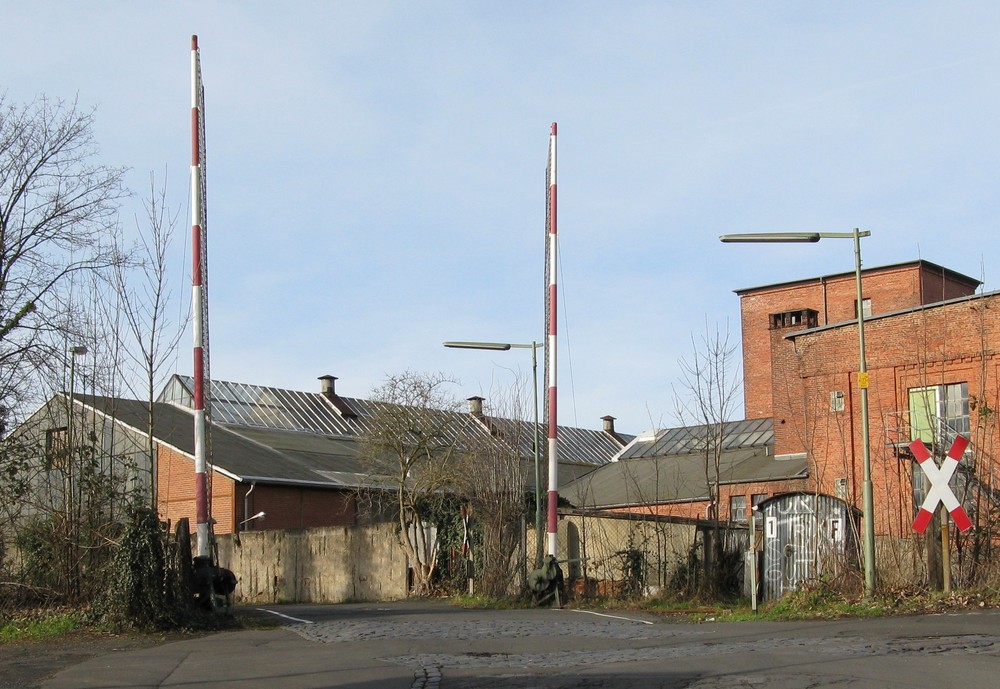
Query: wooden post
point(945, 550)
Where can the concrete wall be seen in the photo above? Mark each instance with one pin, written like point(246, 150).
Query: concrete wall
point(325, 565)
point(594, 545)
point(366, 563)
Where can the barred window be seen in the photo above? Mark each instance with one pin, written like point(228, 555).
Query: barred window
point(56, 449)
point(738, 508)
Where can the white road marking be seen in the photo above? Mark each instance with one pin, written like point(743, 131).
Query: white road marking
point(614, 617)
point(287, 617)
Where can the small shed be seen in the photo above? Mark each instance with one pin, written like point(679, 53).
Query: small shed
point(805, 536)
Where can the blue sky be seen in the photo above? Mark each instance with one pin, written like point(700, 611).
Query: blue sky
point(376, 170)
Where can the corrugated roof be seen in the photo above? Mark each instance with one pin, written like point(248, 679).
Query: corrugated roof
point(748, 433)
point(663, 466)
point(255, 406)
point(243, 453)
point(676, 478)
point(286, 436)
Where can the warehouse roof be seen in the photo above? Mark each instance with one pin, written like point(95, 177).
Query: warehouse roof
point(285, 436)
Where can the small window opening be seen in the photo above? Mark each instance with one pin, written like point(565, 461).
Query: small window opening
point(56, 449)
point(840, 488)
point(803, 318)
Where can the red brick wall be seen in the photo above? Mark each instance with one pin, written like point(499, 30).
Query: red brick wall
point(890, 289)
point(287, 507)
point(941, 285)
point(292, 507)
point(175, 491)
point(934, 346)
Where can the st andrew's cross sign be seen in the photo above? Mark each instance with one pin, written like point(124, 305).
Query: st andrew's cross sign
point(940, 491)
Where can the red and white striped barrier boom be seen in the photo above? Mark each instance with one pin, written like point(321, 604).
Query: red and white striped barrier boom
point(550, 350)
point(199, 274)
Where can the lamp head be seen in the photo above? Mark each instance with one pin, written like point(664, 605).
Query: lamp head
point(771, 238)
point(495, 346)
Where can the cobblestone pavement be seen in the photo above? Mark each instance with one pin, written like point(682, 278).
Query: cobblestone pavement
point(564, 648)
point(431, 645)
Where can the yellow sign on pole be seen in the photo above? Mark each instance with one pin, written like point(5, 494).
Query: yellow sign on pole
point(863, 380)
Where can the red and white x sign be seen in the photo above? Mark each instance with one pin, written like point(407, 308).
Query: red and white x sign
point(940, 490)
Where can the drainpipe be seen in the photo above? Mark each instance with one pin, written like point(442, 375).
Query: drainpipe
point(246, 505)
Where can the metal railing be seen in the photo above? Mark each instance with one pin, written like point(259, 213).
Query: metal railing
point(899, 432)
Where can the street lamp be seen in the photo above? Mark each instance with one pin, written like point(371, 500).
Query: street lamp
point(74, 352)
point(504, 347)
point(868, 510)
point(259, 515)
point(73, 504)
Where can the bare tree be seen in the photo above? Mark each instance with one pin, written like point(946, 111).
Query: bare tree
point(56, 208)
point(709, 397)
point(493, 481)
point(142, 297)
point(409, 457)
point(710, 388)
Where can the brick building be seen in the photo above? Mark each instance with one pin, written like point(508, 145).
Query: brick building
point(770, 312)
point(933, 375)
point(932, 355)
point(291, 454)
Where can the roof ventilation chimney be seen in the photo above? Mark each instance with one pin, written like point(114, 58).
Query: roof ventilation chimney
point(327, 386)
point(609, 428)
point(329, 392)
point(476, 406)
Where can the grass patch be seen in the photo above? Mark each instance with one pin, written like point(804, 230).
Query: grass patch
point(35, 626)
point(31, 628)
point(823, 602)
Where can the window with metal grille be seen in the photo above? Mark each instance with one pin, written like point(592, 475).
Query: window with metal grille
point(918, 487)
point(56, 449)
point(738, 508)
point(938, 413)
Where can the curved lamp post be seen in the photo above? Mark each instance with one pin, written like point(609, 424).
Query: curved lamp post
point(868, 510)
point(259, 515)
point(504, 347)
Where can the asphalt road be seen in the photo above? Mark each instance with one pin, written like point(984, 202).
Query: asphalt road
point(421, 645)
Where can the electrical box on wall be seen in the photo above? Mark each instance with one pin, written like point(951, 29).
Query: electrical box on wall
point(837, 400)
point(840, 488)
